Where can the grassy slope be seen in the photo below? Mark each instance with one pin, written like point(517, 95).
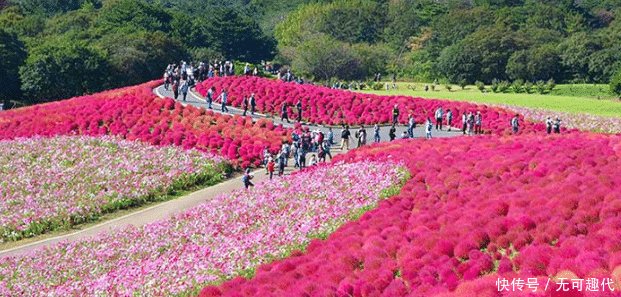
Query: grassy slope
point(576, 98)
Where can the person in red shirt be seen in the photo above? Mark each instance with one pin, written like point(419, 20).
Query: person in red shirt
point(270, 167)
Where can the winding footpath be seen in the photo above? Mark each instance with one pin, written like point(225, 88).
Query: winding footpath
point(167, 209)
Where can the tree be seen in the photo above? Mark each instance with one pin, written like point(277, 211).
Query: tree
point(482, 55)
point(12, 55)
point(324, 58)
point(534, 64)
point(61, 68)
point(138, 57)
point(50, 7)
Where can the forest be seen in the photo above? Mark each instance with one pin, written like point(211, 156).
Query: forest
point(51, 49)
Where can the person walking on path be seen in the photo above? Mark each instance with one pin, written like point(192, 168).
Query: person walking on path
point(411, 126)
point(223, 98)
point(392, 134)
point(395, 114)
point(549, 124)
point(299, 107)
point(330, 136)
point(270, 167)
point(470, 123)
point(478, 123)
point(283, 113)
point(439, 115)
point(302, 157)
point(345, 138)
point(428, 128)
point(282, 161)
point(515, 124)
point(246, 179)
point(210, 94)
point(464, 122)
point(326, 150)
point(175, 88)
point(184, 89)
point(253, 104)
point(286, 149)
point(376, 133)
point(245, 105)
point(557, 126)
point(449, 119)
point(361, 135)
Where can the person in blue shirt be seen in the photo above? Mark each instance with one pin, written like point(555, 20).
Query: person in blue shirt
point(223, 98)
point(428, 128)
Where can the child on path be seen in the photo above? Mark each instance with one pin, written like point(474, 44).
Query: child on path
point(246, 179)
point(270, 167)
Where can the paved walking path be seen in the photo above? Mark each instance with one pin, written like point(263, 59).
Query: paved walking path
point(167, 209)
point(197, 100)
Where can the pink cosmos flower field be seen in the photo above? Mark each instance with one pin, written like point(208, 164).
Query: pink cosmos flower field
point(212, 242)
point(48, 183)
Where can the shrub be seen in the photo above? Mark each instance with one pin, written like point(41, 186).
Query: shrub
point(480, 86)
point(378, 86)
point(541, 87)
point(462, 84)
point(550, 85)
point(448, 87)
point(518, 85)
point(495, 85)
point(503, 86)
point(615, 84)
point(528, 87)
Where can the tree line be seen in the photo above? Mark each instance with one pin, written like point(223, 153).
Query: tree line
point(55, 49)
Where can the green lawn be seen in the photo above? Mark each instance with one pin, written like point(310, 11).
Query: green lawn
point(565, 98)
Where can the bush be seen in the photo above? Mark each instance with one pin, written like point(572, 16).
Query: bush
point(448, 87)
point(503, 86)
point(495, 85)
point(550, 85)
point(517, 85)
point(528, 87)
point(480, 85)
point(615, 84)
point(462, 84)
point(378, 86)
point(541, 87)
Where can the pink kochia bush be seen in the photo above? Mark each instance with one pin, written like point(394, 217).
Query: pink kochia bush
point(48, 183)
point(135, 113)
point(475, 210)
point(222, 237)
point(332, 107)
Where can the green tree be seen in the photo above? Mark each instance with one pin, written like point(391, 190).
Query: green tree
point(324, 58)
point(61, 68)
point(12, 55)
point(482, 55)
point(49, 7)
point(137, 57)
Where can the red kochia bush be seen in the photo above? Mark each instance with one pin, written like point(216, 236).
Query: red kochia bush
point(135, 113)
point(497, 217)
point(328, 106)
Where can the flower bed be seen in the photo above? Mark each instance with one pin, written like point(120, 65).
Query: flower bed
point(585, 122)
point(474, 211)
point(332, 107)
point(135, 113)
point(48, 183)
point(222, 237)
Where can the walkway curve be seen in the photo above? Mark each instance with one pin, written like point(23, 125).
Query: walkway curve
point(169, 208)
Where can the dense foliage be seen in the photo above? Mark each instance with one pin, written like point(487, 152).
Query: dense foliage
point(462, 40)
point(63, 48)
